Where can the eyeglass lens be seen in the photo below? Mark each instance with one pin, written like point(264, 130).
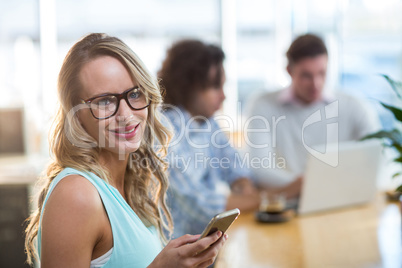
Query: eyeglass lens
point(106, 106)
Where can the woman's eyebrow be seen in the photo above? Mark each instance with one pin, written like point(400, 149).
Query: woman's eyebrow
point(109, 93)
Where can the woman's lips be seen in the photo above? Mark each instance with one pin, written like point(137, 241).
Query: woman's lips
point(127, 132)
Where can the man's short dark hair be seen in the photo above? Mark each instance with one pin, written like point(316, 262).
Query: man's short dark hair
point(305, 46)
point(185, 70)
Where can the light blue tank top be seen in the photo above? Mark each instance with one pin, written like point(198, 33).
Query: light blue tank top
point(134, 244)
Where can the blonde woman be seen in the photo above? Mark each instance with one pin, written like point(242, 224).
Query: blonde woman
point(103, 203)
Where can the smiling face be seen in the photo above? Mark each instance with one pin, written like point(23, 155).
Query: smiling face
point(121, 133)
point(308, 77)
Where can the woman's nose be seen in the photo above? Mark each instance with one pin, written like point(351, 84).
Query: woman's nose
point(124, 111)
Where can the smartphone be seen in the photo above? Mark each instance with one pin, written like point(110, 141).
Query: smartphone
point(221, 222)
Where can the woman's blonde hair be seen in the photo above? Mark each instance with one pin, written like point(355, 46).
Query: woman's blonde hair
point(146, 182)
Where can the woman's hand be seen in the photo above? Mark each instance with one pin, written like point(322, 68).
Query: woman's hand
point(186, 251)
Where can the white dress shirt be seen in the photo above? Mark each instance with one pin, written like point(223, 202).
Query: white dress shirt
point(281, 128)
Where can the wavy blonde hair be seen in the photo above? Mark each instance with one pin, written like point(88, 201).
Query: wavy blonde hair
point(145, 184)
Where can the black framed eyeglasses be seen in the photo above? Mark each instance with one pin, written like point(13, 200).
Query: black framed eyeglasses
point(107, 105)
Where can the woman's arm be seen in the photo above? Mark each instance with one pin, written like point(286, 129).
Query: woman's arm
point(71, 224)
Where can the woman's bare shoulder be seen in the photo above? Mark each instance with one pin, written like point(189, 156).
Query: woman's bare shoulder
point(74, 197)
point(73, 219)
point(78, 191)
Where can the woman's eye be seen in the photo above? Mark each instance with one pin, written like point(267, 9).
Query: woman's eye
point(104, 101)
point(134, 95)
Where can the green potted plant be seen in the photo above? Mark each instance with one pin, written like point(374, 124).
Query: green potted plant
point(393, 138)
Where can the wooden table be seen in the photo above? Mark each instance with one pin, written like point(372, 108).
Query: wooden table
point(364, 236)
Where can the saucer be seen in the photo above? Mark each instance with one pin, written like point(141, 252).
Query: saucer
point(275, 217)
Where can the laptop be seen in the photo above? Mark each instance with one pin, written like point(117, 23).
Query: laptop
point(352, 181)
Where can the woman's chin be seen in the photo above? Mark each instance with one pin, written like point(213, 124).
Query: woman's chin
point(129, 148)
point(123, 150)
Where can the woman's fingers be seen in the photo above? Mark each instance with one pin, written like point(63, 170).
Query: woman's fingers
point(183, 240)
point(206, 263)
point(213, 249)
point(208, 256)
point(203, 243)
point(188, 251)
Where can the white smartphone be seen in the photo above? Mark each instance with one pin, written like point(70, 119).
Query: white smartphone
point(221, 222)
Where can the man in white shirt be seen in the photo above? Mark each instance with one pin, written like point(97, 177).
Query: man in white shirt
point(285, 124)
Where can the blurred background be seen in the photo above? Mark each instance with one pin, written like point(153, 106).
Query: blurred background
point(364, 38)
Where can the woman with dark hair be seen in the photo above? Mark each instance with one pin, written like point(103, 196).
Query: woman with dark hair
point(190, 68)
point(200, 157)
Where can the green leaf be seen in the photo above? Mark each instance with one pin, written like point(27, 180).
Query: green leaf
point(394, 110)
point(396, 86)
point(396, 175)
point(399, 189)
point(395, 136)
point(396, 147)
